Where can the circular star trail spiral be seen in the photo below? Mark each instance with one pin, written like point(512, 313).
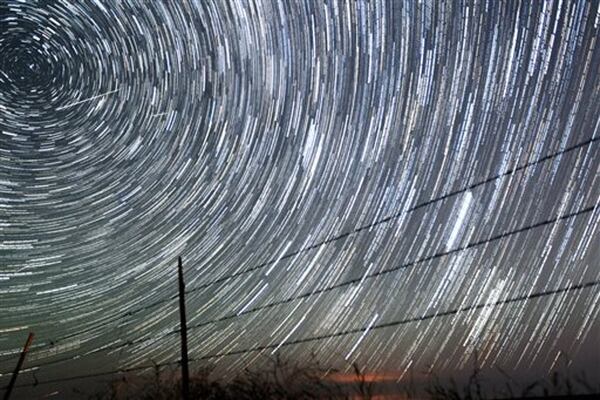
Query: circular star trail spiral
point(401, 184)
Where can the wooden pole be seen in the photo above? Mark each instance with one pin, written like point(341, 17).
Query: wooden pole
point(185, 373)
point(13, 379)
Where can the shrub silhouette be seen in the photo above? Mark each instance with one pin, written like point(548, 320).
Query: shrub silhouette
point(284, 380)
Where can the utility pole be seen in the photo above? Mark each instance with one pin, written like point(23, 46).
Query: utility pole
point(13, 379)
point(185, 373)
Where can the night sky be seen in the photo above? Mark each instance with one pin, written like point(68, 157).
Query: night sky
point(405, 185)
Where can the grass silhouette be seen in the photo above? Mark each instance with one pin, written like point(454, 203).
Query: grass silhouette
point(285, 380)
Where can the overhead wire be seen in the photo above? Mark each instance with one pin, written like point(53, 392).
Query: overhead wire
point(527, 297)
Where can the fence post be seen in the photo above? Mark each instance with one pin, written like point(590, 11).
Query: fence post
point(185, 373)
point(13, 379)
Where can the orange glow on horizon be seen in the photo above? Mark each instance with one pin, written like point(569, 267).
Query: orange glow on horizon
point(340, 377)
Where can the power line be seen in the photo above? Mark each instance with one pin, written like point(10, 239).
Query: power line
point(398, 214)
point(330, 288)
point(418, 206)
point(546, 293)
point(375, 274)
point(94, 375)
point(399, 267)
point(409, 320)
point(510, 171)
point(52, 343)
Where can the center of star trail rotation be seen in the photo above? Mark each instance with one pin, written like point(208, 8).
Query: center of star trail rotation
point(397, 184)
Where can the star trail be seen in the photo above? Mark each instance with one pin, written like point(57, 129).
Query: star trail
point(401, 184)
